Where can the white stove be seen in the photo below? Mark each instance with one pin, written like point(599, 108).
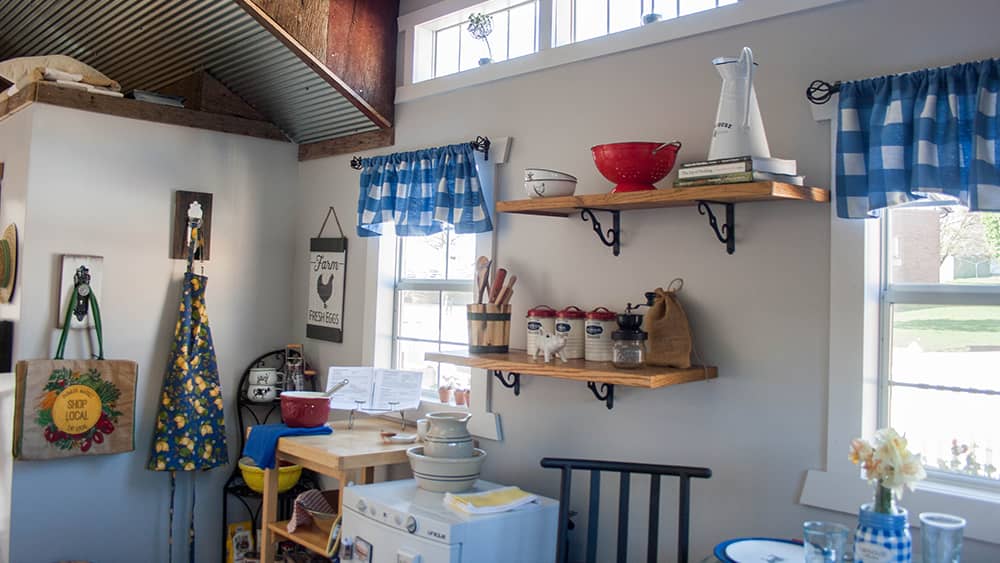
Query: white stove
point(404, 524)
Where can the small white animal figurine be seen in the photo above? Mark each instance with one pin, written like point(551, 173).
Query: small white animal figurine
point(551, 345)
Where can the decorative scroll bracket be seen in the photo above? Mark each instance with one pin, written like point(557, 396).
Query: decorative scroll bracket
point(727, 233)
point(606, 393)
point(512, 381)
point(613, 237)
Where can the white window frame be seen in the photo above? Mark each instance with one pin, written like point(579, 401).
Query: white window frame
point(425, 36)
point(421, 285)
point(744, 11)
point(853, 382)
point(380, 283)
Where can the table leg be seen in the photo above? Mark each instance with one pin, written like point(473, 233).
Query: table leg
point(269, 514)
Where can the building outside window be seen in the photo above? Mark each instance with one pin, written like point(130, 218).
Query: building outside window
point(940, 334)
point(434, 278)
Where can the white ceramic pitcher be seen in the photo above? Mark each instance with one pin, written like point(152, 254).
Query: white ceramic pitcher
point(448, 435)
point(739, 130)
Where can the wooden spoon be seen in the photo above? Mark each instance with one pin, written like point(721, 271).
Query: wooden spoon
point(482, 277)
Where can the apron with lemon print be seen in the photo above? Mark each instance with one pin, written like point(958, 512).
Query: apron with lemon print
point(190, 431)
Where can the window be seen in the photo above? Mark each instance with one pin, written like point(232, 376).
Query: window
point(578, 20)
point(453, 49)
point(940, 324)
point(433, 285)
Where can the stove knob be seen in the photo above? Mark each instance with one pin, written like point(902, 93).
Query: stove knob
point(362, 507)
point(411, 524)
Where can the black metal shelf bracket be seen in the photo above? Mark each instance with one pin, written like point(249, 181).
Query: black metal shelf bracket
point(512, 381)
point(613, 237)
point(727, 233)
point(606, 394)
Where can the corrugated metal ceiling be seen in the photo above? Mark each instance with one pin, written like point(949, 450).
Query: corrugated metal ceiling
point(148, 44)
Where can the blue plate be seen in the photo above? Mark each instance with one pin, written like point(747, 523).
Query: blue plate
point(773, 550)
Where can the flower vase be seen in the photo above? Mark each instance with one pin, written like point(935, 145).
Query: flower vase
point(882, 537)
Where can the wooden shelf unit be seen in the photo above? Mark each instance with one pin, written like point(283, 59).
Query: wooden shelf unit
point(312, 537)
point(701, 197)
point(607, 375)
point(666, 197)
point(53, 94)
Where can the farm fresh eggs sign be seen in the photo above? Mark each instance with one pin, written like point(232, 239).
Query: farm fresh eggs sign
point(327, 268)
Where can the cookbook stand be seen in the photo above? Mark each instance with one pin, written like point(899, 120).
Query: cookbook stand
point(360, 404)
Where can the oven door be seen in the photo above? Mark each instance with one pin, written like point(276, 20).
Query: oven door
point(392, 545)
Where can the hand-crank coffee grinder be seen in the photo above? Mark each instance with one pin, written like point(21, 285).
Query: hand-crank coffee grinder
point(629, 340)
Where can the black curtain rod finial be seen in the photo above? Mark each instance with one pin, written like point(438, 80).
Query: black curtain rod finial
point(356, 163)
point(819, 92)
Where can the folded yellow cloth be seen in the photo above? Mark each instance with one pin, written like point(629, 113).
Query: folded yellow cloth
point(489, 502)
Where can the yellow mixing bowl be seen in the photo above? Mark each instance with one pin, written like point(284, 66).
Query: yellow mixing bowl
point(288, 475)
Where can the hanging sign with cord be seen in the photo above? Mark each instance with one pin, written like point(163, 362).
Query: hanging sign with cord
point(327, 271)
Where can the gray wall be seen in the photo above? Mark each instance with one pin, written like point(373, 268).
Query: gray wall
point(105, 185)
point(761, 315)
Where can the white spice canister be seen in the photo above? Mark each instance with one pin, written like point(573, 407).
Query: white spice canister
point(597, 345)
point(540, 318)
point(569, 323)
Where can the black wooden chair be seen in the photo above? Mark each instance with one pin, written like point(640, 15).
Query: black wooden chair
point(625, 471)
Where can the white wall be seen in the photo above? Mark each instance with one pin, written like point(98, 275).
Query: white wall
point(105, 185)
point(15, 142)
point(760, 315)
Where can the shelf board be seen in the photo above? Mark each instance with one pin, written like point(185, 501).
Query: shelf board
point(666, 197)
point(518, 361)
point(45, 93)
point(312, 537)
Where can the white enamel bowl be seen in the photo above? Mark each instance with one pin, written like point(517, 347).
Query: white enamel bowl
point(445, 475)
point(542, 182)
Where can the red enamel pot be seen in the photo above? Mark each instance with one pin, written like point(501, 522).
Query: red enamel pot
point(305, 408)
point(635, 166)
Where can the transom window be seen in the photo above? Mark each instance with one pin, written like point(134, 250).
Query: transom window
point(433, 285)
point(940, 316)
point(579, 20)
point(454, 49)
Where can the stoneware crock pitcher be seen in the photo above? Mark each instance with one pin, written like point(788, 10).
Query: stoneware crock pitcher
point(739, 130)
point(448, 435)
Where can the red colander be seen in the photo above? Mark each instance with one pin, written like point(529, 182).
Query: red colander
point(635, 166)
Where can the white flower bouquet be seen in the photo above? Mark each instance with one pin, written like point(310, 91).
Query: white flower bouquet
point(889, 464)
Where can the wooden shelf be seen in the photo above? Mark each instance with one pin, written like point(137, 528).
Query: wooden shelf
point(517, 362)
point(667, 197)
point(727, 195)
point(312, 537)
point(53, 94)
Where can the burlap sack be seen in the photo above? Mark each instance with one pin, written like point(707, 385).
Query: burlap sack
point(669, 343)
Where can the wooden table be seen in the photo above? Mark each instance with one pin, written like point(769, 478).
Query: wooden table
point(345, 455)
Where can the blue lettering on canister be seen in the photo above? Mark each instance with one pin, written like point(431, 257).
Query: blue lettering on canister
point(534, 325)
point(562, 327)
point(595, 330)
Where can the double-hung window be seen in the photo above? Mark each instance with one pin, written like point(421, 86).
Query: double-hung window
point(433, 285)
point(939, 380)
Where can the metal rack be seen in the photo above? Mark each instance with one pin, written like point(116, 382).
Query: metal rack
point(235, 486)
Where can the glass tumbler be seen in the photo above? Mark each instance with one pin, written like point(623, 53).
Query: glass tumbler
point(941, 537)
point(824, 542)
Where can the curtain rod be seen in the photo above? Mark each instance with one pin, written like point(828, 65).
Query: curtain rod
point(481, 144)
point(820, 92)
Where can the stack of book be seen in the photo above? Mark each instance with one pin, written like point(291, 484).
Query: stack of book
point(737, 170)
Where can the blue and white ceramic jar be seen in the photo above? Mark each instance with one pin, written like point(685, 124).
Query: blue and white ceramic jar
point(882, 538)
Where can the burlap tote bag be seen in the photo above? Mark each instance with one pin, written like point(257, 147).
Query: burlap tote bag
point(65, 408)
point(669, 343)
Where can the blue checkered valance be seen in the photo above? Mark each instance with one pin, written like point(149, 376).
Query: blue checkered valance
point(422, 192)
point(927, 135)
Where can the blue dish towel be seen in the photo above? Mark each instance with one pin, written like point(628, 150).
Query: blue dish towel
point(263, 440)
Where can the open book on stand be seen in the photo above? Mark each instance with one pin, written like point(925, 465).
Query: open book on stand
point(375, 390)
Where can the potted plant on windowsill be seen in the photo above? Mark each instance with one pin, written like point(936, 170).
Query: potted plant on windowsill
point(480, 27)
point(883, 533)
